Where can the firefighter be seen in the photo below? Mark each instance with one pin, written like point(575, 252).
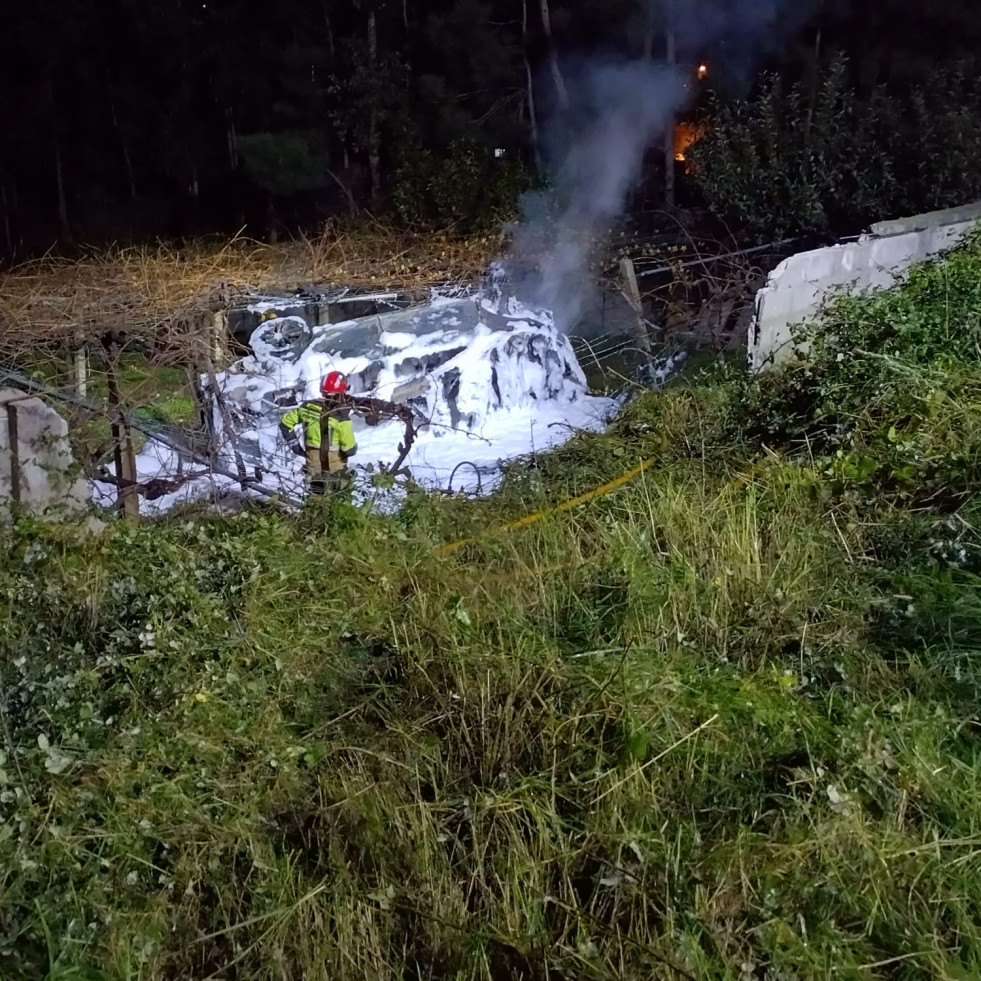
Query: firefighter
point(326, 463)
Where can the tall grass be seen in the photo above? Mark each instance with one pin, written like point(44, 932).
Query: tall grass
point(719, 723)
point(340, 757)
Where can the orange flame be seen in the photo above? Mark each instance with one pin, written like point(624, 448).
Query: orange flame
point(684, 135)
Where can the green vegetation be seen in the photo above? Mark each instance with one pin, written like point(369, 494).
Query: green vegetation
point(153, 392)
point(827, 157)
point(722, 722)
point(157, 391)
point(464, 188)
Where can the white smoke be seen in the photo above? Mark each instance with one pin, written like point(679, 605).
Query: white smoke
point(594, 147)
point(595, 155)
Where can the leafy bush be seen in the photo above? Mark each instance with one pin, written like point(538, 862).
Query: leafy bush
point(464, 187)
point(284, 163)
point(888, 385)
point(832, 160)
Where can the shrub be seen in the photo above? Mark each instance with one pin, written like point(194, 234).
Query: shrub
point(465, 187)
point(793, 161)
point(889, 386)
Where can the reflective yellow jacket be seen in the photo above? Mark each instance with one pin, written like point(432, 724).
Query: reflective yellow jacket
point(309, 414)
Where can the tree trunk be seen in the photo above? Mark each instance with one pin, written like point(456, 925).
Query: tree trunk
point(374, 161)
point(553, 59)
point(5, 206)
point(351, 203)
point(815, 81)
point(123, 145)
point(271, 234)
point(64, 227)
point(232, 138)
point(128, 164)
point(649, 32)
point(127, 160)
point(60, 181)
point(330, 36)
point(194, 192)
point(374, 137)
point(672, 60)
point(530, 82)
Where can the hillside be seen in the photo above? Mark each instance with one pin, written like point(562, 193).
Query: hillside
point(721, 721)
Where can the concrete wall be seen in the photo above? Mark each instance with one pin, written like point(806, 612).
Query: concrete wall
point(796, 289)
point(37, 473)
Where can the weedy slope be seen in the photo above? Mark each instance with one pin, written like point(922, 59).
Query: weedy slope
point(722, 722)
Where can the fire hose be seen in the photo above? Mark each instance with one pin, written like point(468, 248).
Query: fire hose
point(476, 470)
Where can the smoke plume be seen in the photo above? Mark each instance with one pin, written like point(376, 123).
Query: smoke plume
point(595, 153)
point(594, 148)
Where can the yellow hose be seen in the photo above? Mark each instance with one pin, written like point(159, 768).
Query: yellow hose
point(606, 488)
point(530, 519)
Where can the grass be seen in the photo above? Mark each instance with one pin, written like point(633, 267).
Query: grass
point(719, 723)
point(147, 390)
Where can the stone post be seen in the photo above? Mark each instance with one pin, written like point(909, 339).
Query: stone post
point(38, 475)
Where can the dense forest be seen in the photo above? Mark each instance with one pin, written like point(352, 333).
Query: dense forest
point(124, 121)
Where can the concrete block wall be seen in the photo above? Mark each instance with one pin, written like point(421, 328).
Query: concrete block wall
point(38, 476)
point(796, 289)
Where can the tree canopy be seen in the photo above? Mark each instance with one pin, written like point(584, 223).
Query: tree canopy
point(125, 121)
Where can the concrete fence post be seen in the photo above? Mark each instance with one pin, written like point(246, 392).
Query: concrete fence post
point(80, 368)
point(38, 474)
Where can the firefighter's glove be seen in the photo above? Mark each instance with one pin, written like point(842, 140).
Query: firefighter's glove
point(290, 438)
point(293, 443)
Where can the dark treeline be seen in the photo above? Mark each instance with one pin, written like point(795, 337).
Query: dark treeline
point(123, 121)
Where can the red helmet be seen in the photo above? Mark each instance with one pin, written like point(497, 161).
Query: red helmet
point(334, 384)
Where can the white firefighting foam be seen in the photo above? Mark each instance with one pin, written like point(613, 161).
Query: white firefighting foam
point(485, 387)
